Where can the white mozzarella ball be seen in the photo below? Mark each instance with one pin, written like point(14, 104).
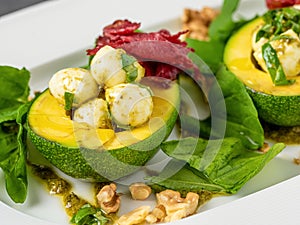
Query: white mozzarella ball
point(107, 67)
point(74, 80)
point(94, 113)
point(130, 104)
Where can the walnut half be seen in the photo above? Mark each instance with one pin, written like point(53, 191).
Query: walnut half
point(175, 206)
point(197, 22)
point(108, 199)
point(140, 191)
point(136, 216)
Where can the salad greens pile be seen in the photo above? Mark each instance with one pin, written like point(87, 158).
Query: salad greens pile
point(223, 170)
point(14, 105)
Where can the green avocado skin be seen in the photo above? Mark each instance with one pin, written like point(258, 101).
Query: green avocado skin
point(278, 110)
point(95, 165)
point(102, 165)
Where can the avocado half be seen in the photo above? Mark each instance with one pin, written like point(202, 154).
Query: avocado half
point(56, 137)
point(277, 105)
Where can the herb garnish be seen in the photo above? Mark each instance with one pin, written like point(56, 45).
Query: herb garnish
point(69, 99)
point(277, 22)
point(274, 66)
point(89, 215)
point(129, 67)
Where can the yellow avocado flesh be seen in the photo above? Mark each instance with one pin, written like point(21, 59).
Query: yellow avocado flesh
point(237, 57)
point(48, 120)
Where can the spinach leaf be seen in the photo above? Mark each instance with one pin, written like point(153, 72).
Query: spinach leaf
point(14, 84)
point(221, 28)
point(178, 175)
point(274, 66)
point(228, 167)
point(13, 110)
point(14, 91)
point(13, 156)
point(89, 215)
point(211, 52)
point(240, 117)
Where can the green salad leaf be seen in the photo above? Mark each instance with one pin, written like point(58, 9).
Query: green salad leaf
point(178, 175)
point(225, 169)
point(89, 215)
point(241, 117)
point(13, 110)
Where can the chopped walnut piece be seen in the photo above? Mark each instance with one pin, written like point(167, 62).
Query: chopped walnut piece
point(198, 21)
point(265, 148)
point(136, 216)
point(140, 191)
point(177, 207)
point(297, 161)
point(108, 199)
point(157, 215)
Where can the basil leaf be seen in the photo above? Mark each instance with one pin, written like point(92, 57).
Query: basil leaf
point(229, 166)
point(89, 215)
point(69, 99)
point(274, 66)
point(266, 31)
point(278, 21)
point(129, 67)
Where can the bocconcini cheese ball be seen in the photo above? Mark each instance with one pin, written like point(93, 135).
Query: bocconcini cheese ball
point(287, 49)
point(94, 113)
point(73, 80)
point(107, 67)
point(130, 104)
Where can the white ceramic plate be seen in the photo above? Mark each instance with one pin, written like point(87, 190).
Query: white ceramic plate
point(54, 35)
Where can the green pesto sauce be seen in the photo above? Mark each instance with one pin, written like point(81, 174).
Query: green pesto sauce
point(287, 135)
point(57, 186)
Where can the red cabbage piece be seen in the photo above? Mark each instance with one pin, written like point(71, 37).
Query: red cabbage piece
point(150, 49)
point(275, 4)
